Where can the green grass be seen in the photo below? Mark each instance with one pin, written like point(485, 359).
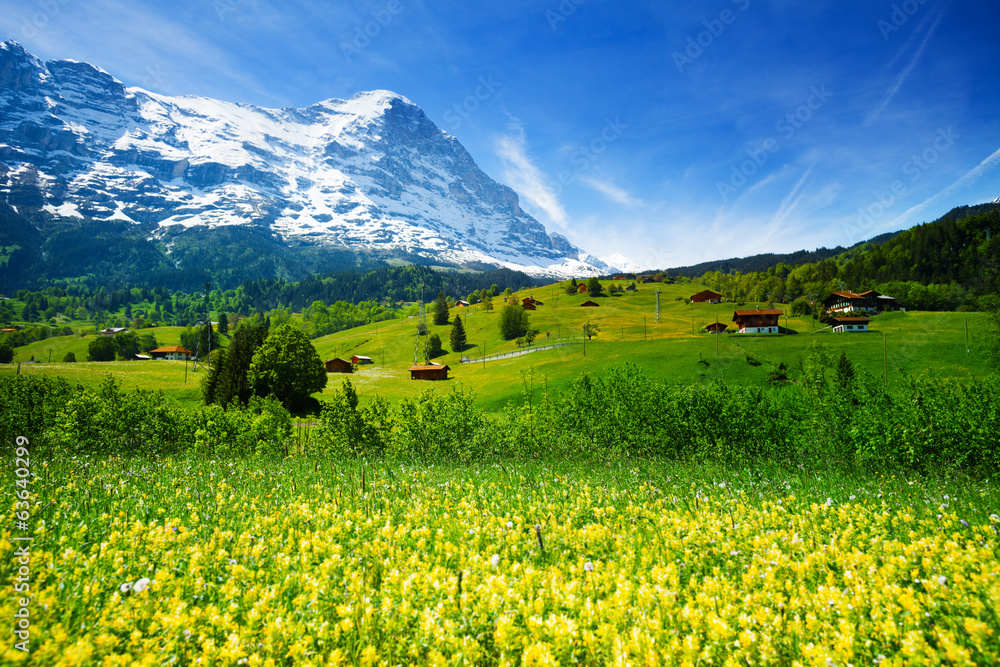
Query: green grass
point(673, 350)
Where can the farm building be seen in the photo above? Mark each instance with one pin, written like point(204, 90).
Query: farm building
point(338, 365)
point(173, 353)
point(360, 361)
point(429, 372)
point(112, 331)
point(757, 321)
point(631, 288)
point(462, 303)
point(865, 302)
point(590, 304)
point(850, 324)
point(706, 296)
point(716, 327)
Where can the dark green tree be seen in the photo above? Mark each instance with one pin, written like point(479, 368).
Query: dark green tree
point(223, 324)
point(231, 385)
point(434, 346)
point(101, 348)
point(441, 315)
point(594, 287)
point(287, 367)
point(844, 372)
point(6, 353)
point(590, 330)
point(457, 334)
point(513, 320)
point(126, 344)
point(70, 358)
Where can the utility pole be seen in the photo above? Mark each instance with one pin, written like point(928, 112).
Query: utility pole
point(208, 316)
point(885, 358)
point(644, 327)
point(966, 335)
point(484, 354)
point(716, 335)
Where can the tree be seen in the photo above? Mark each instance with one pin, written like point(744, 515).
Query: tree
point(126, 344)
point(590, 330)
point(457, 334)
point(844, 370)
point(594, 287)
point(513, 321)
point(488, 303)
point(434, 346)
point(231, 384)
point(101, 348)
point(287, 367)
point(70, 358)
point(441, 310)
point(223, 324)
point(570, 289)
point(6, 353)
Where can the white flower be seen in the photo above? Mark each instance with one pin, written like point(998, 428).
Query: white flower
point(942, 580)
point(510, 524)
point(994, 517)
point(495, 560)
point(125, 588)
point(829, 502)
point(588, 566)
point(472, 531)
point(232, 561)
point(140, 585)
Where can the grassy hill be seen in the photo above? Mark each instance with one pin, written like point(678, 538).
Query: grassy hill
point(674, 350)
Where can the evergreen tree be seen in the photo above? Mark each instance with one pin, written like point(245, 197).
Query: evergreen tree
point(223, 324)
point(844, 371)
point(441, 315)
point(594, 287)
point(6, 353)
point(231, 385)
point(457, 334)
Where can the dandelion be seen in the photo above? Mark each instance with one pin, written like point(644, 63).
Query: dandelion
point(942, 580)
point(495, 560)
point(588, 566)
point(140, 585)
point(125, 588)
point(510, 524)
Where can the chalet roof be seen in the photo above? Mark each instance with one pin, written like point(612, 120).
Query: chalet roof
point(853, 320)
point(590, 304)
point(430, 367)
point(706, 292)
point(167, 349)
point(751, 313)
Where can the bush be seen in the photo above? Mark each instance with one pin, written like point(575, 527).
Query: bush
point(69, 358)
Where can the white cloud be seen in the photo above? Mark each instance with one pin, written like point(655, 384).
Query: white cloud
point(611, 191)
point(527, 179)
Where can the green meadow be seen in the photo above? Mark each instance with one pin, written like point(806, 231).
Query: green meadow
point(676, 349)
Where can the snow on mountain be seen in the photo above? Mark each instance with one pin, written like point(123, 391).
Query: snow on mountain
point(372, 173)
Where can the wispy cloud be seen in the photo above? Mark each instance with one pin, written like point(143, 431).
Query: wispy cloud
point(526, 178)
point(966, 180)
point(611, 191)
point(792, 199)
point(901, 78)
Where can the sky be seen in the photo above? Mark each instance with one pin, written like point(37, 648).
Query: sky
point(668, 132)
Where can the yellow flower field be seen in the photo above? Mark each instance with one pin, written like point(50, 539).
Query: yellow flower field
point(182, 562)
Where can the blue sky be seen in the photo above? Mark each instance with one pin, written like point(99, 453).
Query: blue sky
point(669, 132)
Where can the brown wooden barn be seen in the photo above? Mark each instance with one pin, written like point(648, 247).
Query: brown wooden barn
point(717, 327)
point(338, 365)
point(706, 296)
point(590, 304)
point(757, 321)
point(429, 372)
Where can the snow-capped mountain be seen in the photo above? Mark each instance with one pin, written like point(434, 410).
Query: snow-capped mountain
point(372, 174)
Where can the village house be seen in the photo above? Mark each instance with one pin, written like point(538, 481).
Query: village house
point(757, 321)
point(172, 353)
point(865, 302)
point(462, 303)
point(589, 304)
point(360, 361)
point(717, 327)
point(432, 371)
point(112, 331)
point(706, 296)
point(338, 365)
point(850, 324)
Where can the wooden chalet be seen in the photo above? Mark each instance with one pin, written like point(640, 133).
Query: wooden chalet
point(528, 303)
point(590, 304)
point(338, 365)
point(112, 331)
point(863, 302)
point(706, 296)
point(631, 288)
point(429, 372)
point(359, 360)
point(462, 303)
point(172, 353)
point(717, 327)
point(850, 324)
point(757, 321)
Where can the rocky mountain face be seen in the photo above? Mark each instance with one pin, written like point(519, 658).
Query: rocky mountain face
point(368, 177)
